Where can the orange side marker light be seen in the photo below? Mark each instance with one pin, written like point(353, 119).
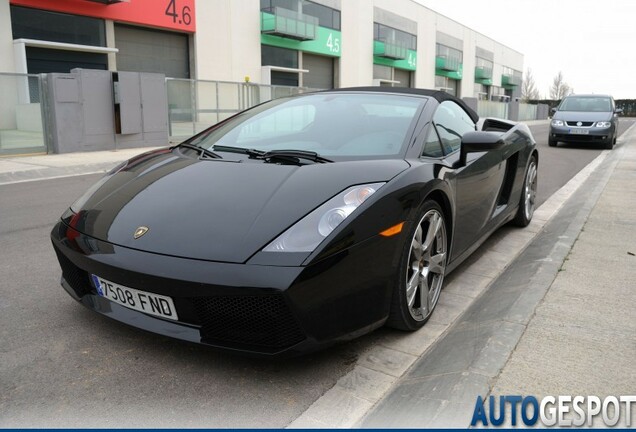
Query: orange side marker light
point(395, 229)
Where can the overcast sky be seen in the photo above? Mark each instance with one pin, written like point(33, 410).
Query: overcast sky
point(592, 42)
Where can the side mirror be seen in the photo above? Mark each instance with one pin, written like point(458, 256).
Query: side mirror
point(553, 110)
point(473, 142)
point(619, 110)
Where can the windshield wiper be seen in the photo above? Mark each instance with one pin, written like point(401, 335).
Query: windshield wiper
point(242, 150)
point(287, 155)
point(293, 156)
point(202, 151)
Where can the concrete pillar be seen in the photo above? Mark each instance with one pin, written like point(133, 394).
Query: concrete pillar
point(356, 63)
point(513, 111)
point(543, 111)
point(6, 39)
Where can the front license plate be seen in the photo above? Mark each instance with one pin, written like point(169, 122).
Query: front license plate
point(579, 131)
point(153, 304)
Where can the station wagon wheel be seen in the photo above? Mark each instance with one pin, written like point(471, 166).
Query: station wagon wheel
point(422, 269)
point(528, 195)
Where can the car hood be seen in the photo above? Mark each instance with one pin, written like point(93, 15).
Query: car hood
point(213, 209)
point(582, 116)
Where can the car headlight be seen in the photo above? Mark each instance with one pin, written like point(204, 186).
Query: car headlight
point(603, 124)
point(557, 123)
point(310, 231)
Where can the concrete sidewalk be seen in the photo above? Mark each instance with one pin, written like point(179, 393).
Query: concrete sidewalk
point(559, 321)
point(582, 338)
point(48, 166)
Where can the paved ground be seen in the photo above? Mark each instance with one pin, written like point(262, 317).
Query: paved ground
point(582, 338)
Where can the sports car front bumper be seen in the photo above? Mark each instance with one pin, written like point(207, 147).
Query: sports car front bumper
point(261, 309)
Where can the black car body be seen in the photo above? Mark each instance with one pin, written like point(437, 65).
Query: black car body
point(589, 119)
point(247, 252)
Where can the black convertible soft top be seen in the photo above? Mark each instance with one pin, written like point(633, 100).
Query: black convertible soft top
point(438, 95)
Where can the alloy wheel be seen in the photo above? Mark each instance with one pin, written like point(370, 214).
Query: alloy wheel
point(530, 190)
point(426, 265)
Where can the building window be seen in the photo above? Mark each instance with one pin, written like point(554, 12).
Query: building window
point(49, 26)
point(283, 57)
point(481, 91)
point(483, 64)
point(447, 85)
point(327, 17)
point(384, 33)
point(275, 56)
point(387, 76)
point(449, 53)
point(498, 94)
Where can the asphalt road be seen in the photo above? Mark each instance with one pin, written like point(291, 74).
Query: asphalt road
point(64, 366)
point(557, 165)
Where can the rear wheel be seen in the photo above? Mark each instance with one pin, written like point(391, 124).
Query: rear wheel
point(528, 195)
point(421, 271)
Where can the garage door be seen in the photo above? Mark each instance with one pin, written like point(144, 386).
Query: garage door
point(145, 50)
point(320, 74)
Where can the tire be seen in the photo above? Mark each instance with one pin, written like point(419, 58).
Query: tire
point(415, 295)
point(609, 144)
point(552, 143)
point(528, 194)
point(615, 138)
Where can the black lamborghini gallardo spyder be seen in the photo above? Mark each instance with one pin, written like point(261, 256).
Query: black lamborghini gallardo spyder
point(299, 222)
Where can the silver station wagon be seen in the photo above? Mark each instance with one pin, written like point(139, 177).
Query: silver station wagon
point(585, 119)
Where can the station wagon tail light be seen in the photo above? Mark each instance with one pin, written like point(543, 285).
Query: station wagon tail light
point(603, 124)
point(310, 231)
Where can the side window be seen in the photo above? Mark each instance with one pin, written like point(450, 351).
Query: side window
point(452, 122)
point(432, 146)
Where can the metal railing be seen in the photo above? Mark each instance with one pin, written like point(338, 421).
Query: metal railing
point(194, 105)
point(527, 112)
point(486, 108)
point(22, 125)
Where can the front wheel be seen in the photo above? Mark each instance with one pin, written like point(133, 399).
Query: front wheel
point(528, 195)
point(421, 271)
point(552, 143)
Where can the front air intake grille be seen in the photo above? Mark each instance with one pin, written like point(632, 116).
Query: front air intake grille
point(261, 321)
point(76, 278)
point(583, 123)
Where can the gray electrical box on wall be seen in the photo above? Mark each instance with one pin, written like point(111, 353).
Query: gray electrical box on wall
point(101, 110)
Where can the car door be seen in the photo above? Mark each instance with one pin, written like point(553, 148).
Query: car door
point(477, 184)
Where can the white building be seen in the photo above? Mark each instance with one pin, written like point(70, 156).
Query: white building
point(316, 44)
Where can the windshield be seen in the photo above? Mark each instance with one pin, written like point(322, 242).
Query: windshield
point(587, 104)
point(332, 125)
